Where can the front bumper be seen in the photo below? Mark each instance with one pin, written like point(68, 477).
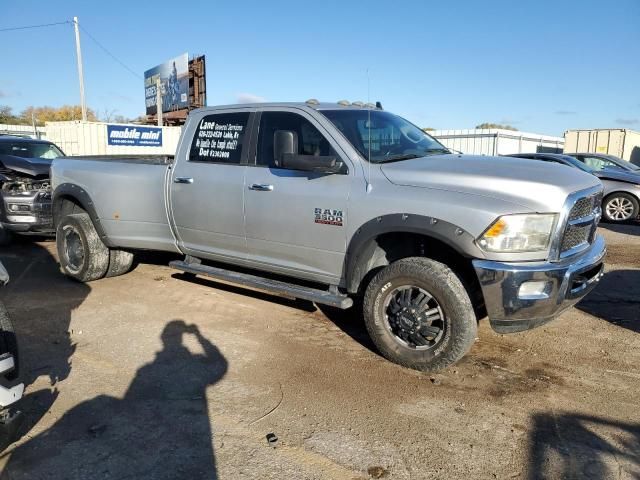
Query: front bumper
point(37, 219)
point(561, 285)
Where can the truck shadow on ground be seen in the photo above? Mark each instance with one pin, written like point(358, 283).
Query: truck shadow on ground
point(160, 429)
point(624, 228)
point(616, 299)
point(579, 446)
point(40, 300)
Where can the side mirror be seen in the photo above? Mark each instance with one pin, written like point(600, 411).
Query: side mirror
point(285, 154)
point(285, 142)
point(312, 163)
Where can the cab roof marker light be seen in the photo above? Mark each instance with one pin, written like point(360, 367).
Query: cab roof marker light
point(312, 101)
point(344, 103)
point(357, 104)
point(370, 105)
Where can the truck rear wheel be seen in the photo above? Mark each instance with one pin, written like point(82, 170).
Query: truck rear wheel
point(120, 262)
point(81, 253)
point(419, 315)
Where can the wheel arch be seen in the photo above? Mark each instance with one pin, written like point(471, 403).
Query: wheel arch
point(388, 238)
point(66, 197)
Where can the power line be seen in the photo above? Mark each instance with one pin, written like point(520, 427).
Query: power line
point(34, 26)
point(137, 75)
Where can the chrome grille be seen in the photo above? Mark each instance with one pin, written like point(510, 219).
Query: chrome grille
point(582, 208)
point(575, 236)
point(581, 224)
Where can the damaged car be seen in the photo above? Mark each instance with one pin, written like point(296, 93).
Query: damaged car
point(25, 190)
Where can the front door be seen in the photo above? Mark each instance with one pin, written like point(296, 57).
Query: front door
point(296, 221)
point(207, 188)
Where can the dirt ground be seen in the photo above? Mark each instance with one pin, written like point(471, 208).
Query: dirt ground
point(152, 375)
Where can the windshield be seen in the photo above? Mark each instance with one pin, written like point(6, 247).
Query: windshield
point(577, 163)
point(31, 150)
point(619, 163)
point(382, 136)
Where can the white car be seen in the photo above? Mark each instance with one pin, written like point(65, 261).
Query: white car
point(11, 388)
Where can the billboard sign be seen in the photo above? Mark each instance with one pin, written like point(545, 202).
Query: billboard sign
point(174, 85)
point(134, 136)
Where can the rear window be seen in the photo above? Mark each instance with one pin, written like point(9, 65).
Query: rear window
point(219, 138)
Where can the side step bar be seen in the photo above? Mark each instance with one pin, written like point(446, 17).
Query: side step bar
point(297, 291)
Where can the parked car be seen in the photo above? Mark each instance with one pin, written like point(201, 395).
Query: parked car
point(25, 190)
point(602, 161)
point(11, 389)
point(331, 202)
point(621, 201)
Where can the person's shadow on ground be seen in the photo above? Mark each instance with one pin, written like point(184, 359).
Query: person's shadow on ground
point(159, 430)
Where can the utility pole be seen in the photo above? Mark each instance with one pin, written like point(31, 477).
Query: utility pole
point(159, 101)
point(83, 104)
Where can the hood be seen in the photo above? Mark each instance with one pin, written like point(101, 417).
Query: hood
point(34, 167)
point(536, 185)
point(619, 175)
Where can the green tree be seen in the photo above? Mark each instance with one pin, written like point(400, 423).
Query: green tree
point(496, 125)
point(7, 116)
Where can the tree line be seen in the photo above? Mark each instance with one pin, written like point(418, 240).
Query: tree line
point(40, 115)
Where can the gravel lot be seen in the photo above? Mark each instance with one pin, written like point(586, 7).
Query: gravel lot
point(151, 375)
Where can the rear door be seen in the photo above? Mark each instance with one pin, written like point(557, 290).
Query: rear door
point(207, 185)
point(295, 220)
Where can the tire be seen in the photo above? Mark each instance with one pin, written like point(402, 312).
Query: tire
point(120, 262)
point(8, 342)
point(446, 334)
point(81, 253)
point(620, 207)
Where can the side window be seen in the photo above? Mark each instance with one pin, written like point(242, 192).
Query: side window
point(309, 140)
point(219, 138)
point(598, 163)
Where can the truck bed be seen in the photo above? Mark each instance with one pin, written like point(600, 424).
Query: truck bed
point(143, 159)
point(128, 193)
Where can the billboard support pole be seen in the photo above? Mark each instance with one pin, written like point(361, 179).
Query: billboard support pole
point(83, 104)
point(159, 101)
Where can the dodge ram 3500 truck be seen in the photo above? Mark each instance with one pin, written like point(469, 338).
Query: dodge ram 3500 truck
point(336, 202)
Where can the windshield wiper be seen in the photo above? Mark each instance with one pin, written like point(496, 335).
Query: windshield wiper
point(438, 150)
point(395, 158)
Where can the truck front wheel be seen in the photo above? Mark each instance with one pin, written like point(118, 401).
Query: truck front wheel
point(419, 314)
point(82, 254)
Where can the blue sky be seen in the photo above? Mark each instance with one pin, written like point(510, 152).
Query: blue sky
point(542, 66)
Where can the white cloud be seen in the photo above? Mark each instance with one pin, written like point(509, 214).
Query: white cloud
point(249, 98)
point(627, 121)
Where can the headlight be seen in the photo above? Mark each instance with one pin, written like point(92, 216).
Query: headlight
point(519, 233)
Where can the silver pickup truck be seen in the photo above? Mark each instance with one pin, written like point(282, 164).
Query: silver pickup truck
point(338, 202)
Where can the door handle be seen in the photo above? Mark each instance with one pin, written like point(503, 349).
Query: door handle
point(261, 187)
point(187, 180)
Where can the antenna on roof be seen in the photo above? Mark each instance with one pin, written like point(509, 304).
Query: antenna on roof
point(369, 186)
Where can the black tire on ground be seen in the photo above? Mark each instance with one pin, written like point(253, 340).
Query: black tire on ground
point(620, 207)
point(81, 253)
point(120, 262)
point(5, 236)
point(421, 277)
point(8, 341)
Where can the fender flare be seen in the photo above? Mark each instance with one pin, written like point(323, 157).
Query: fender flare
point(362, 245)
point(80, 196)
